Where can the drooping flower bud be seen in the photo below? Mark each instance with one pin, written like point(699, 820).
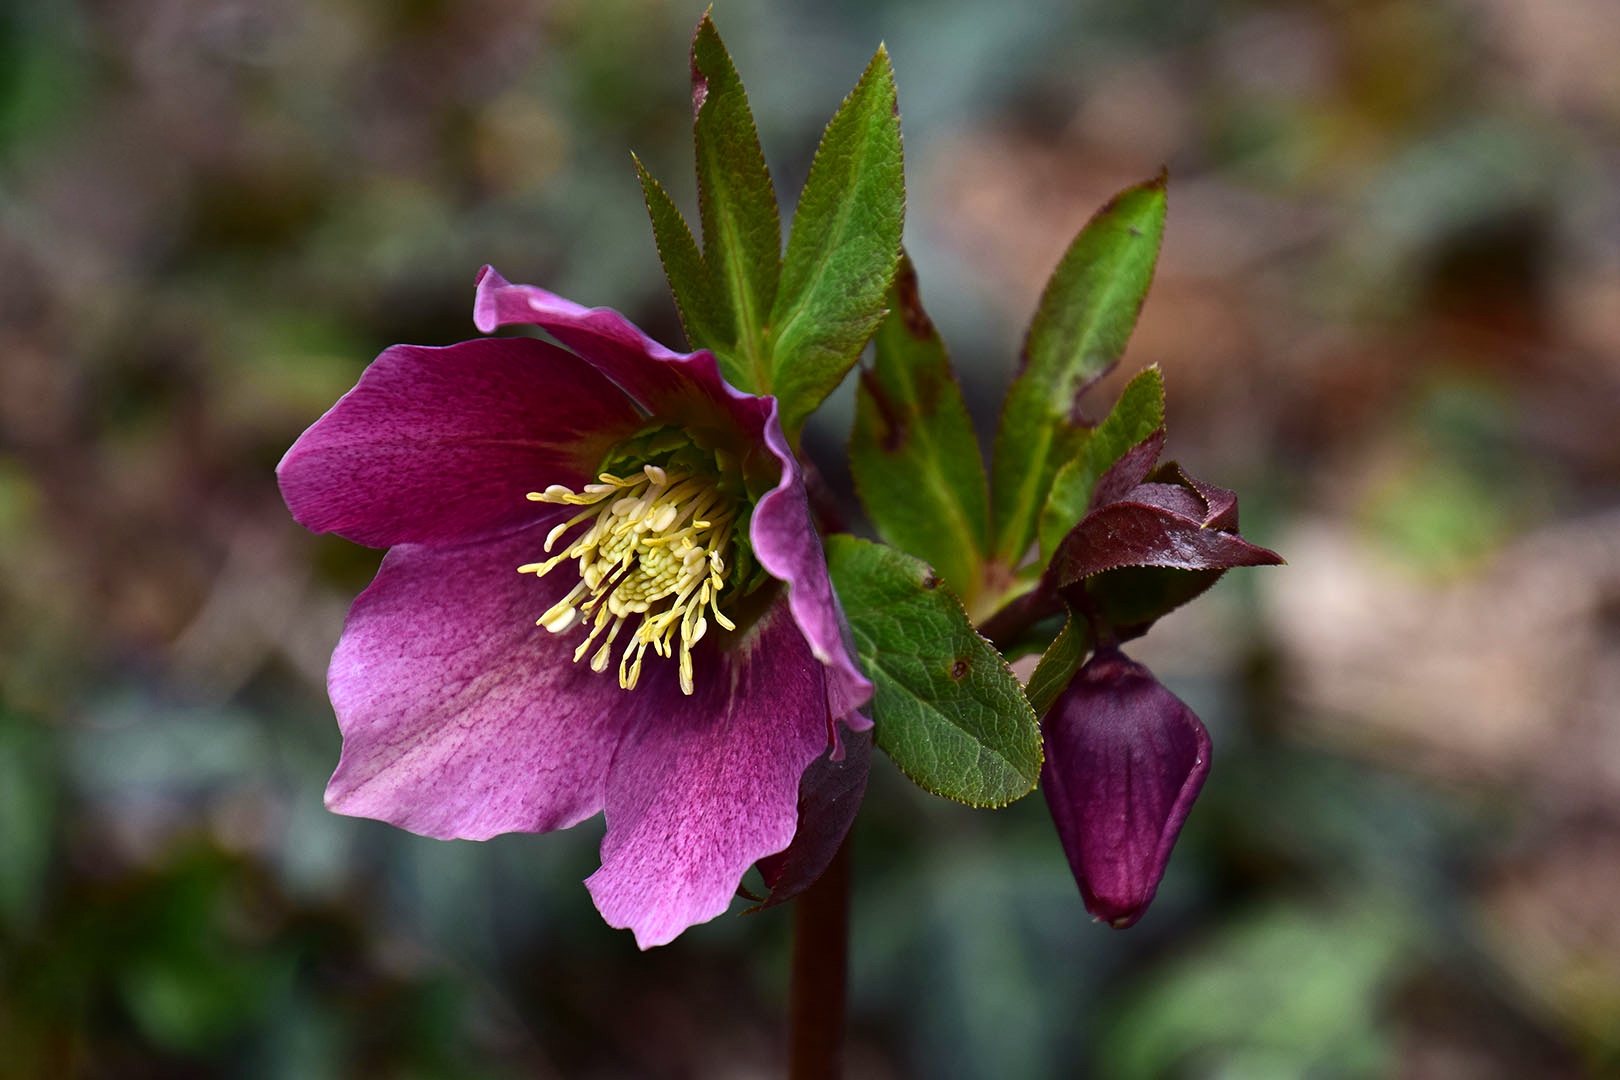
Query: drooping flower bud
point(1125, 758)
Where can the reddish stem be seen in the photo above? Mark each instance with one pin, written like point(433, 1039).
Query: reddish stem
point(820, 961)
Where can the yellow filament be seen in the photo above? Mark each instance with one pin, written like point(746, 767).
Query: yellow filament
point(656, 548)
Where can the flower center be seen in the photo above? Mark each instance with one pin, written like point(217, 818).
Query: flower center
point(654, 555)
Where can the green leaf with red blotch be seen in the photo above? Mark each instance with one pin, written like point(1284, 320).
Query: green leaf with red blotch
point(1080, 329)
point(946, 707)
point(913, 451)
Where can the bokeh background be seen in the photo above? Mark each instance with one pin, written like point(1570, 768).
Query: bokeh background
point(1388, 311)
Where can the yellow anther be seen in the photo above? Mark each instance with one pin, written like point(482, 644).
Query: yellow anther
point(562, 620)
point(663, 519)
point(655, 547)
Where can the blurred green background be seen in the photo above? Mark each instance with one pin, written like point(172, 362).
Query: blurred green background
point(1388, 311)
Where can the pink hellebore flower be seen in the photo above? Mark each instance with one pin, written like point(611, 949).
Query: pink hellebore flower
point(690, 657)
point(1125, 758)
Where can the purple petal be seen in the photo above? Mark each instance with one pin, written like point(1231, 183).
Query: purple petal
point(460, 716)
point(1125, 759)
point(830, 793)
point(685, 389)
point(612, 343)
point(787, 546)
point(704, 786)
point(440, 445)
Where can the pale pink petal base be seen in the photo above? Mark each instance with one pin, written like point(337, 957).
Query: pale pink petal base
point(460, 716)
point(705, 786)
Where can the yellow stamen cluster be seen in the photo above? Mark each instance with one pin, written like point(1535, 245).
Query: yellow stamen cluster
point(656, 549)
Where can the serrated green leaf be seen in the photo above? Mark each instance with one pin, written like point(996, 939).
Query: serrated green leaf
point(705, 314)
point(843, 248)
point(1085, 318)
point(913, 451)
point(1137, 414)
point(1058, 664)
point(947, 708)
point(742, 234)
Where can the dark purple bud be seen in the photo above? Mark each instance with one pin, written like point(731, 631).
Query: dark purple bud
point(1125, 758)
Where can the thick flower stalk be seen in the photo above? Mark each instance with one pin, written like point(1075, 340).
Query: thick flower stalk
point(604, 592)
point(1125, 758)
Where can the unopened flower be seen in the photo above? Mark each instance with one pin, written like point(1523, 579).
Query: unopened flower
point(1125, 758)
point(1152, 538)
point(604, 592)
point(1141, 516)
